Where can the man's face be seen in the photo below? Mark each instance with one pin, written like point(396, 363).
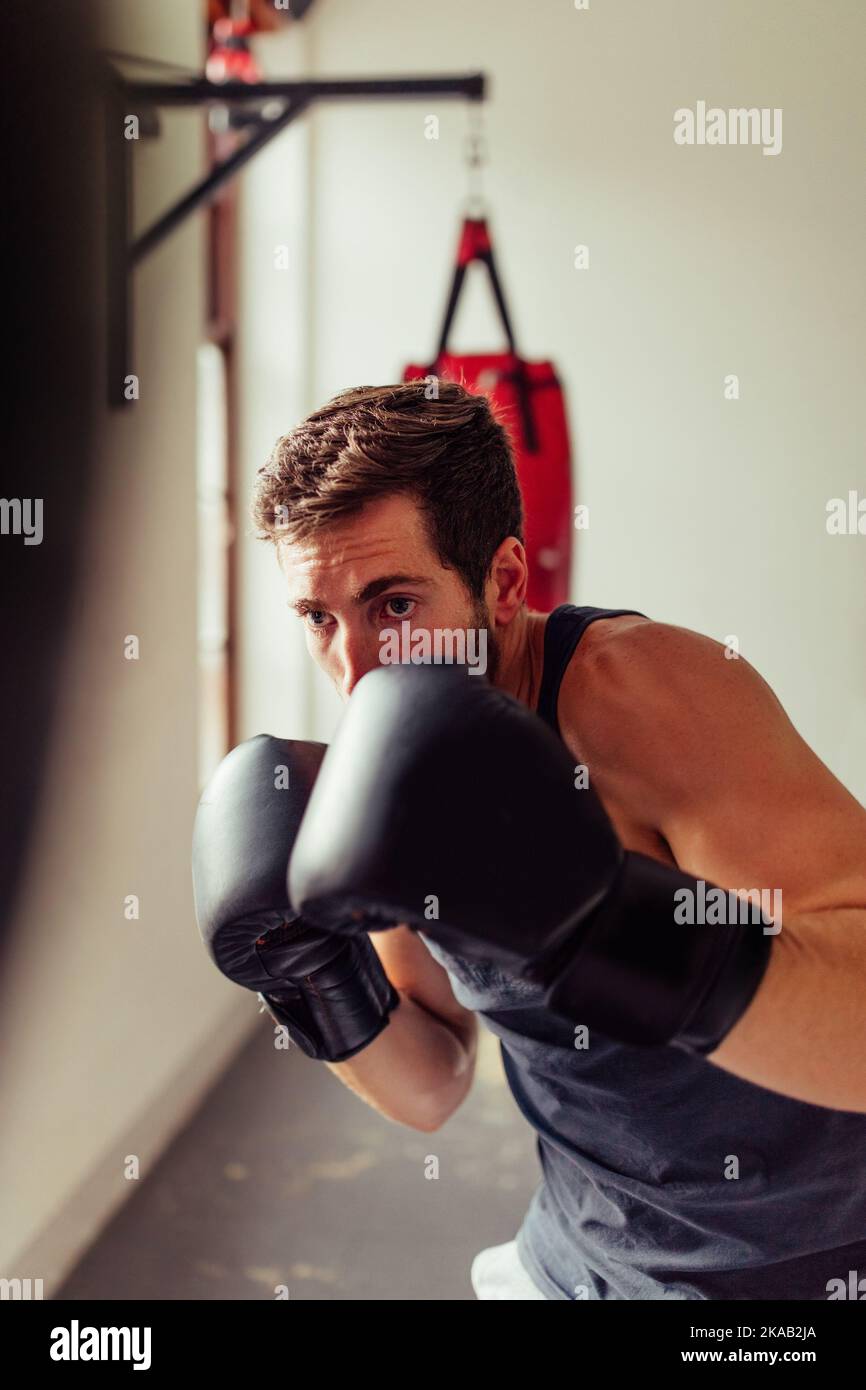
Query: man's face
point(374, 571)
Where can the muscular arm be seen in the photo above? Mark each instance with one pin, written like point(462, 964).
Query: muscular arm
point(420, 1068)
point(698, 763)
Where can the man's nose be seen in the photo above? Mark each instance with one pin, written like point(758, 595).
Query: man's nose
point(359, 656)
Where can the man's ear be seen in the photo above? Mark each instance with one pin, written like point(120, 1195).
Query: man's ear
point(509, 576)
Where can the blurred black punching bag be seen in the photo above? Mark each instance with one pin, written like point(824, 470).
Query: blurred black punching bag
point(52, 150)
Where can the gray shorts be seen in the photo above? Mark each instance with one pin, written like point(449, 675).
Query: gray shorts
point(498, 1273)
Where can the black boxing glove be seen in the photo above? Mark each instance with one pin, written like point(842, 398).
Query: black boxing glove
point(446, 804)
point(330, 991)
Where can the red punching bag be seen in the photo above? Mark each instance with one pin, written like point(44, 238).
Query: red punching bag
point(528, 400)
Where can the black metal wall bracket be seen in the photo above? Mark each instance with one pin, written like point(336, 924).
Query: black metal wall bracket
point(268, 108)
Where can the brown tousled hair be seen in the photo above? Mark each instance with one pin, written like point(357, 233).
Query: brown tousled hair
point(451, 453)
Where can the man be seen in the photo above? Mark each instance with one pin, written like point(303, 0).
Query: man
point(738, 1173)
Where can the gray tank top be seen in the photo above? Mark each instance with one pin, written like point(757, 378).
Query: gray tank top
point(662, 1175)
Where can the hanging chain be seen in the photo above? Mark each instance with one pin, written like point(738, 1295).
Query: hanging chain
point(475, 148)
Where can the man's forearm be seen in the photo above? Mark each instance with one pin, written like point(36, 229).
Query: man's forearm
point(417, 1071)
point(804, 1033)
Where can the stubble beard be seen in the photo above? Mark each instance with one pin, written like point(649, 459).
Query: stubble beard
point(481, 620)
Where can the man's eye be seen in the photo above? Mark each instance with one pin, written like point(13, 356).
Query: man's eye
point(403, 606)
point(316, 617)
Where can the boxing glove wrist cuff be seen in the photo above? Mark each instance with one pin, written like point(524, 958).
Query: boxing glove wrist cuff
point(338, 1009)
point(641, 974)
point(729, 993)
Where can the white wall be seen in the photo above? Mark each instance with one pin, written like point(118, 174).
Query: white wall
point(703, 262)
point(111, 1029)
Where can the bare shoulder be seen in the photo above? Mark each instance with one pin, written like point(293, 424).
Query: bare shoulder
point(629, 667)
point(640, 699)
point(611, 645)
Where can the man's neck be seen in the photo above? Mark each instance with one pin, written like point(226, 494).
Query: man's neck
point(521, 657)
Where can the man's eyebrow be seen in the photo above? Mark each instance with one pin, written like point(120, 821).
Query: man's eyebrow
point(369, 591)
point(388, 581)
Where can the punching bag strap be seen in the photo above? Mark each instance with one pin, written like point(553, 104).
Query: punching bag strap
point(475, 245)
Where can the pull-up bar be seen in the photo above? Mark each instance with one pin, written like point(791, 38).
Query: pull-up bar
point(290, 99)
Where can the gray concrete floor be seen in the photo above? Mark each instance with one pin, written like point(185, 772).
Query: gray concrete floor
point(285, 1177)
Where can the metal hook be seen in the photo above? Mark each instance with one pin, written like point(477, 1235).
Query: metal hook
point(475, 157)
